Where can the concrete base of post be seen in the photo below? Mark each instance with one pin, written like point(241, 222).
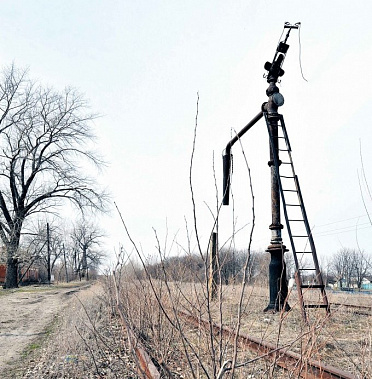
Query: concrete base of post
point(278, 284)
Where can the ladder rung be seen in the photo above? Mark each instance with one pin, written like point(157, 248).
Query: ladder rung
point(300, 236)
point(286, 163)
point(304, 252)
point(287, 177)
point(307, 269)
point(297, 220)
point(312, 285)
point(316, 306)
point(289, 190)
point(283, 150)
point(293, 205)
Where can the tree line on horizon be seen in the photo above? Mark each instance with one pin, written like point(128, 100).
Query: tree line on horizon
point(346, 268)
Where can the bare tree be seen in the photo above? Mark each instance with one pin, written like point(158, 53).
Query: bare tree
point(87, 238)
point(362, 266)
point(43, 147)
point(46, 245)
point(233, 262)
point(342, 267)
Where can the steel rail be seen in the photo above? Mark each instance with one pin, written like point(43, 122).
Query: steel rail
point(355, 306)
point(364, 310)
point(143, 359)
point(284, 358)
point(146, 367)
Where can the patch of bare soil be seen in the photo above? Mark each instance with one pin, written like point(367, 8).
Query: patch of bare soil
point(60, 332)
point(25, 314)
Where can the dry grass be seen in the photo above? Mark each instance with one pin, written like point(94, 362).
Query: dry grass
point(88, 338)
point(342, 340)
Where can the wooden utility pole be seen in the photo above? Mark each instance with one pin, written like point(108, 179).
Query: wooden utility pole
point(213, 267)
point(48, 252)
point(64, 258)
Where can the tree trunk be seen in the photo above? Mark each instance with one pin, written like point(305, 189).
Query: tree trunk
point(11, 279)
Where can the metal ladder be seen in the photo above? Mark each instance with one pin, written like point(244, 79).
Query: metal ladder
point(307, 272)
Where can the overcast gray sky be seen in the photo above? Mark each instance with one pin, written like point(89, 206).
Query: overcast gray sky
point(142, 63)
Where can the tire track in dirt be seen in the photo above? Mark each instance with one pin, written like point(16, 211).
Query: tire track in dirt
point(25, 316)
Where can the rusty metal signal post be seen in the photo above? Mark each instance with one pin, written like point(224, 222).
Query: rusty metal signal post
point(285, 190)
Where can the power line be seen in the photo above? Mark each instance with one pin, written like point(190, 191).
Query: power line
point(336, 222)
point(337, 231)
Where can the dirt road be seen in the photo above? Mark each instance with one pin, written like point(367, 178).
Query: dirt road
point(25, 315)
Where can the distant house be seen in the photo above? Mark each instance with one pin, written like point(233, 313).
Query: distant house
point(367, 283)
point(30, 275)
point(342, 284)
point(332, 283)
point(2, 273)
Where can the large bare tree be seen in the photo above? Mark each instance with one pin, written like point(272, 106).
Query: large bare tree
point(86, 238)
point(45, 143)
point(362, 266)
point(351, 266)
point(342, 266)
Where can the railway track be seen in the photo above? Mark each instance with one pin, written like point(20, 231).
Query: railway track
point(145, 363)
point(282, 357)
point(298, 365)
point(364, 310)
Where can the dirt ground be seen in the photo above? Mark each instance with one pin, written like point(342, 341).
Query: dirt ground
point(63, 331)
point(26, 314)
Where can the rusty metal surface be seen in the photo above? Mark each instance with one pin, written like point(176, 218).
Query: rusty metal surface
point(284, 358)
point(363, 310)
point(146, 367)
point(364, 307)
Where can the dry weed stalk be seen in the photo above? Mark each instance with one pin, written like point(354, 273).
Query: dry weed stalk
point(170, 297)
point(153, 300)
